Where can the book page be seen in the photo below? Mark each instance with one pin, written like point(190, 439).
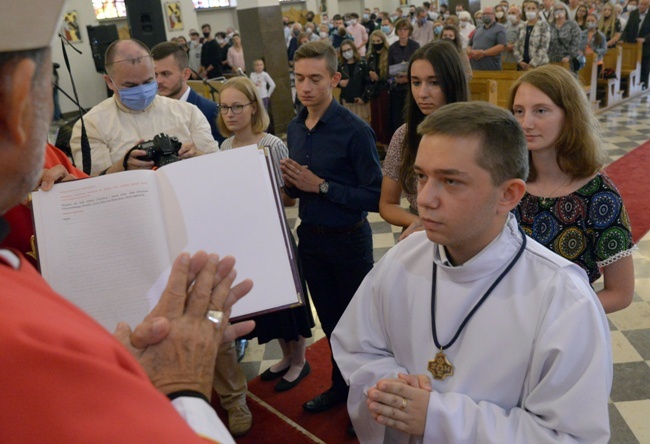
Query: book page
point(101, 244)
point(227, 207)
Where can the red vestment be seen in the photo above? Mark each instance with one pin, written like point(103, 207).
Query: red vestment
point(20, 217)
point(65, 379)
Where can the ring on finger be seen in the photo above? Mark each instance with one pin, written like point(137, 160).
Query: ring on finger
point(404, 403)
point(216, 317)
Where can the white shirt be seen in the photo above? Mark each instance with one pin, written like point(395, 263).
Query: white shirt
point(114, 129)
point(533, 365)
point(264, 83)
point(392, 38)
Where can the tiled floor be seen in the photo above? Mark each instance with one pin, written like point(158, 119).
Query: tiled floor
point(626, 127)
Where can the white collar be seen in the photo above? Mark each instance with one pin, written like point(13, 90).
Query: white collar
point(497, 254)
point(185, 95)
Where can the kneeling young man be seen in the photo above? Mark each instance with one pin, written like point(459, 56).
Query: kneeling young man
point(470, 331)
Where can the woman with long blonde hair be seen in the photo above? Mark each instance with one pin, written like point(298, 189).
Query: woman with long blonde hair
point(610, 25)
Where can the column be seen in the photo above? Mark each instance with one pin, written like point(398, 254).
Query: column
point(260, 27)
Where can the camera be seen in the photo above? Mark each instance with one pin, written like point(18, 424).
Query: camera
point(163, 149)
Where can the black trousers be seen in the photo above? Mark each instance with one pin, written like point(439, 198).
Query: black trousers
point(334, 266)
point(645, 70)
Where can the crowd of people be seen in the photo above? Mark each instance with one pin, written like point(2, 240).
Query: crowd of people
point(510, 216)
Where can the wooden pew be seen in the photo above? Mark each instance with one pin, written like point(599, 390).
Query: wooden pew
point(610, 89)
point(631, 67)
point(199, 88)
point(504, 80)
point(588, 76)
point(483, 90)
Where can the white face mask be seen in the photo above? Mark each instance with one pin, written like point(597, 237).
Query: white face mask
point(323, 34)
point(433, 15)
point(463, 24)
point(513, 18)
point(499, 15)
point(631, 8)
point(348, 55)
point(353, 22)
point(592, 25)
point(530, 15)
point(308, 31)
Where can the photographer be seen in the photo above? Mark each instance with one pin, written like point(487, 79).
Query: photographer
point(135, 114)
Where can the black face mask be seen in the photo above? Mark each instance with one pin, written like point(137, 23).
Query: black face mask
point(206, 35)
point(378, 46)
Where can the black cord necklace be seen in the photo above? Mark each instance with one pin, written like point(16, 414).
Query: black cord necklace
point(440, 367)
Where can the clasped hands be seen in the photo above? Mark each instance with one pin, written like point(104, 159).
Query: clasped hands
point(176, 344)
point(401, 403)
point(299, 176)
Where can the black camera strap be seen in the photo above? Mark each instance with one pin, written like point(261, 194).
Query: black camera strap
point(85, 144)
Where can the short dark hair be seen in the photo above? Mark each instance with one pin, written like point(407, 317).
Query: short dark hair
point(504, 151)
point(318, 50)
point(165, 49)
point(354, 15)
point(207, 25)
point(337, 17)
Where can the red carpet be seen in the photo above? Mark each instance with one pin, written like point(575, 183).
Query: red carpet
point(631, 174)
point(329, 427)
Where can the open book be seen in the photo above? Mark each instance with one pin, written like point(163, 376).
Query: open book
point(107, 243)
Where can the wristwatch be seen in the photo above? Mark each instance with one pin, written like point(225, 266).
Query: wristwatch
point(324, 187)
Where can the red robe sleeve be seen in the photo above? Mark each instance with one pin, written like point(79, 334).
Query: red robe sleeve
point(65, 379)
point(21, 236)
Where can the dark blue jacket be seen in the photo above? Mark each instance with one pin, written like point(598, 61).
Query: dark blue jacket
point(210, 110)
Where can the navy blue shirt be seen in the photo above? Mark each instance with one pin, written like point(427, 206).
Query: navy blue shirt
point(341, 149)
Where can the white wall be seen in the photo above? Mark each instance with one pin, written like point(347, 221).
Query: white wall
point(218, 19)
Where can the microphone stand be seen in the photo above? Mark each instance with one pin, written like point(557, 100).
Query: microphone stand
point(58, 88)
point(212, 89)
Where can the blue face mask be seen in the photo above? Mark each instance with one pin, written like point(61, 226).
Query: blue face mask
point(437, 30)
point(385, 29)
point(138, 97)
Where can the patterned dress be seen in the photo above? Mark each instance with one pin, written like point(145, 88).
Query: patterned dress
point(589, 227)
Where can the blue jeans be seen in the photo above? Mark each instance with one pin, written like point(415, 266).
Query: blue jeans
point(334, 266)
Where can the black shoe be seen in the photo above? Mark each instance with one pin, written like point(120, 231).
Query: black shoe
point(325, 401)
point(285, 385)
point(351, 431)
point(240, 346)
point(270, 375)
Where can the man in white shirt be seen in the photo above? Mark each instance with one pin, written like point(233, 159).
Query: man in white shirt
point(422, 27)
point(470, 331)
point(135, 113)
point(388, 28)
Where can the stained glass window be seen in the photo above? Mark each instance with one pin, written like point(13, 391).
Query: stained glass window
point(203, 4)
point(109, 9)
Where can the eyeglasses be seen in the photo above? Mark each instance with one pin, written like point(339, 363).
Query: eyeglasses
point(236, 109)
